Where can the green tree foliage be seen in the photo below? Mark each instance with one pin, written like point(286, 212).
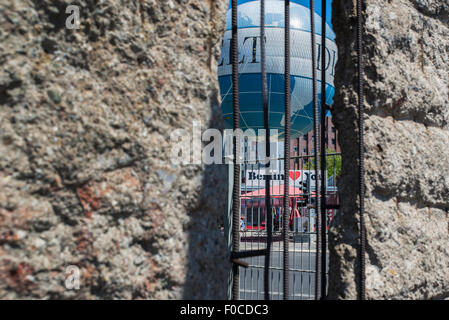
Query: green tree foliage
point(333, 163)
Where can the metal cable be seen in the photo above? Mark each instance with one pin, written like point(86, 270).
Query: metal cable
point(268, 215)
point(236, 151)
point(362, 293)
point(285, 237)
point(323, 152)
point(316, 158)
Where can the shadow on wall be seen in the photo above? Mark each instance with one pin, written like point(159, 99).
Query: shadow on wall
point(343, 237)
point(207, 265)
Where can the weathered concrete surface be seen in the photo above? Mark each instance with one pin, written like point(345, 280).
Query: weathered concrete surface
point(85, 174)
point(406, 56)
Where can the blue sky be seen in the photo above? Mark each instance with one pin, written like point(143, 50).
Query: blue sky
point(305, 3)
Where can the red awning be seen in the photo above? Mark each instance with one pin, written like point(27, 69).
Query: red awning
point(275, 192)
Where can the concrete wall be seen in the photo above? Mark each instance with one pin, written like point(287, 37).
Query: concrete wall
point(406, 69)
point(85, 174)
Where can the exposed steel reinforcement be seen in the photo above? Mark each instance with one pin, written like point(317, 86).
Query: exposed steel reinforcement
point(362, 236)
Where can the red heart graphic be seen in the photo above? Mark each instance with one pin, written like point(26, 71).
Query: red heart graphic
point(294, 175)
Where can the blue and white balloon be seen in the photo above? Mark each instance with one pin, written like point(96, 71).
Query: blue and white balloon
point(250, 87)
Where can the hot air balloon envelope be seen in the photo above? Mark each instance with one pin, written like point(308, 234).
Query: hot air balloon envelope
point(250, 85)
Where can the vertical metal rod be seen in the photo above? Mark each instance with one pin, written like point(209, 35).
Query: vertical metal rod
point(268, 215)
point(362, 293)
point(323, 151)
point(236, 187)
point(286, 219)
point(315, 153)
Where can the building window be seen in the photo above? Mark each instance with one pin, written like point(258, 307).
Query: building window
point(334, 130)
point(334, 142)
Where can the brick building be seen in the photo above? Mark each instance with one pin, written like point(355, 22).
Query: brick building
point(304, 145)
